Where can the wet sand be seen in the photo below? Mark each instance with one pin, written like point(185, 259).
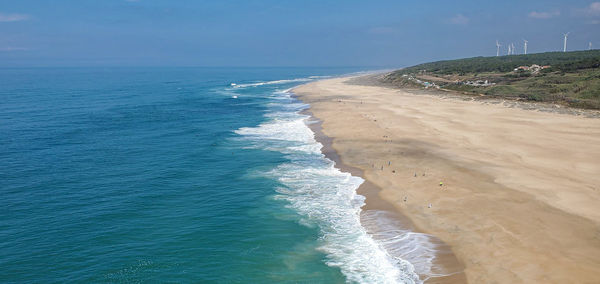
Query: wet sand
point(445, 266)
point(519, 197)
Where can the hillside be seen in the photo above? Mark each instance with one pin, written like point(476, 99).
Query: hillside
point(571, 78)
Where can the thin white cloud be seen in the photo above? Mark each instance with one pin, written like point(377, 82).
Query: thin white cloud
point(459, 19)
point(11, 48)
point(13, 17)
point(590, 11)
point(544, 15)
point(594, 9)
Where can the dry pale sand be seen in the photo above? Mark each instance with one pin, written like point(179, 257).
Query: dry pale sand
point(520, 201)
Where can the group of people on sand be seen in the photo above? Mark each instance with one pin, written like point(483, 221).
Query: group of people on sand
point(405, 197)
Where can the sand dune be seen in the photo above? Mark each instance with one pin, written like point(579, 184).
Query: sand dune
point(520, 201)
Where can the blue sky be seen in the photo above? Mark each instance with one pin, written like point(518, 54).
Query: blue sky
point(282, 33)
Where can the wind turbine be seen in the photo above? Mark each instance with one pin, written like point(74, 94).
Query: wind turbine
point(513, 48)
point(498, 45)
point(525, 45)
point(565, 45)
point(590, 46)
point(509, 47)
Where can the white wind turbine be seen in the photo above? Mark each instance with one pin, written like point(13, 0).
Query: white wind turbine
point(590, 46)
point(525, 46)
point(513, 48)
point(565, 44)
point(509, 51)
point(498, 45)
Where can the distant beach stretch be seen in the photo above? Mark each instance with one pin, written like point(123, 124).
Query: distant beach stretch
point(512, 192)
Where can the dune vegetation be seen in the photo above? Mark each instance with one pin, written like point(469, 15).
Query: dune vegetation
point(569, 78)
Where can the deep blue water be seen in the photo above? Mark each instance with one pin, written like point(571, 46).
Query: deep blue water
point(170, 174)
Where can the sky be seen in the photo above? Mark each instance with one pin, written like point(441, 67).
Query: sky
point(259, 33)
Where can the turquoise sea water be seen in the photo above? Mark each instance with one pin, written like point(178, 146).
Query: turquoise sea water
point(174, 175)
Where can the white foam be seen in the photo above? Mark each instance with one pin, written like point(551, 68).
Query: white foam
point(417, 248)
point(286, 93)
point(325, 197)
point(276, 82)
point(278, 129)
point(328, 198)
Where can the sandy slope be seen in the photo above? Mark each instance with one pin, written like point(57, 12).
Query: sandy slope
point(521, 196)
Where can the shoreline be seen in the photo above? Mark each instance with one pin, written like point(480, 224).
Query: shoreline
point(445, 259)
point(506, 212)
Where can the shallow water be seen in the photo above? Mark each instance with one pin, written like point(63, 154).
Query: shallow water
point(175, 174)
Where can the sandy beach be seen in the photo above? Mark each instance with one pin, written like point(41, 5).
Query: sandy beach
point(514, 193)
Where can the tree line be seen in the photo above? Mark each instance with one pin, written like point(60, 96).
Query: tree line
point(559, 61)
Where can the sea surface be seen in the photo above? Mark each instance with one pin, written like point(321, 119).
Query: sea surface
point(204, 175)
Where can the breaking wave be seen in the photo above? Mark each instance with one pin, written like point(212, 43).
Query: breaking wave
point(323, 195)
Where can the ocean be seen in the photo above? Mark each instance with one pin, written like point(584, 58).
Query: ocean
point(204, 175)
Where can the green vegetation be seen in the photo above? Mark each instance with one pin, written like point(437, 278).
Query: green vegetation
point(560, 61)
point(573, 78)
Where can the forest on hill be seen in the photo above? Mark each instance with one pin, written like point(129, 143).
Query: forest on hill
point(569, 78)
